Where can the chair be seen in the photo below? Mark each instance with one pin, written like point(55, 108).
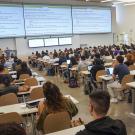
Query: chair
point(12, 117)
point(100, 73)
point(56, 121)
point(8, 99)
point(31, 82)
point(24, 76)
point(36, 93)
point(131, 67)
point(127, 79)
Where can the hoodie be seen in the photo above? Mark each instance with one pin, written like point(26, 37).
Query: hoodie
point(104, 126)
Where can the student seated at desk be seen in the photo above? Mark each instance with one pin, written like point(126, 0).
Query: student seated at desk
point(55, 102)
point(3, 70)
point(130, 60)
point(11, 129)
point(24, 70)
point(102, 124)
point(96, 67)
point(82, 64)
point(121, 70)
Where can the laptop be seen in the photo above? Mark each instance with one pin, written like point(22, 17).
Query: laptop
point(109, 71)
point(89, 68)
point(68, 62)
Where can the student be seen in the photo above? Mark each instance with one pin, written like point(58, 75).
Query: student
point(11, 129)
point(24, 70)
point(5, 85)
point(102, 124)
point(121, 70)
point(129, 60)
point(82, 64)
point(55, 102)
point(96, 67)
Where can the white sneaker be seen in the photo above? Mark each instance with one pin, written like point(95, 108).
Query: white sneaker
point(114, 100)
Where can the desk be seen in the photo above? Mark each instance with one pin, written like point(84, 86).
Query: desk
point(40, 79)
point(20, 109)
point(56, 65)
point(85, 72)
point(108, 64)
point(70, 131)
point(12, 72)
point(17, 108)
point(132, 72)
point(105, 79)
point(34, 74)
point(132, 85)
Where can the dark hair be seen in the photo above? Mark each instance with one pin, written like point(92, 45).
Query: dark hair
point(24, 66)
point(54, 98)
point(82, 57)
point(1, 67)
point(97, 55)
point(100, 101)
point(97, 62)
point(5, 79)
point(11, 129)
point(120, 59)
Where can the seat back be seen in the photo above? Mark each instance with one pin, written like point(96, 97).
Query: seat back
point(131, 67)
point(8, 99)
point(31, 82)
point(24, 76)
point(12, 117)
point(36, 93)
point(100, 73)
point(56, 121)
point(126, 79)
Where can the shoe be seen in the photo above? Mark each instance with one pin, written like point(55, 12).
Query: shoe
point(114, 100)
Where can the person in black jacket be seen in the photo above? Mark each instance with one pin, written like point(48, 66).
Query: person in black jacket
point(102, 125)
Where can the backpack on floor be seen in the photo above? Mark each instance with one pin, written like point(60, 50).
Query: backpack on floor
point(51, 72)
point(88, 88)
point(73, 82)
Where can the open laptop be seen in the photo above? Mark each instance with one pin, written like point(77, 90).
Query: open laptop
point(89, 68)
point(68, 62)
point(109, 71)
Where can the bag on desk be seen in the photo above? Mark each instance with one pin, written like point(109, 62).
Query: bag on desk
point(73, 82)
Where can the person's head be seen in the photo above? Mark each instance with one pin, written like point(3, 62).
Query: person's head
point(129, 57)
point(1, 67)
point(53, 96)
point(5, 80)
point(24, 65)
point(11, 129)
point(99, 104)
point(97, 62)
point(82, 58)
point(120, 59)
point(97, 55)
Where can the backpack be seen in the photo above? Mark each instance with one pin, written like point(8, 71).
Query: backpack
point(51, 72)
point(88, 87)
point(73, 82)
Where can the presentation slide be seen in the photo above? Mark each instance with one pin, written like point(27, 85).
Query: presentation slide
point(11, 20)
point(91, 19)
point(65, 41)
point(47, 20)
point(36, 43)
point(51, 41)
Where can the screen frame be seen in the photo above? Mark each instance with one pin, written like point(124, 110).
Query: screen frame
point(35, 39)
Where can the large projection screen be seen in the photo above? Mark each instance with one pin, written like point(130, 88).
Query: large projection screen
point(91, 19)
point(36, 43)
point(47, 20)
point(11, 20)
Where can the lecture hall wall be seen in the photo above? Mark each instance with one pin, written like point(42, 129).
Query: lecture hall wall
point(21, 44)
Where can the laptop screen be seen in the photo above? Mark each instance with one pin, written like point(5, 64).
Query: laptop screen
point(68, 62)
point(109, 71)
point(89, 68)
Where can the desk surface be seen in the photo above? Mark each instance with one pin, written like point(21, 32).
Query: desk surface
point(85, 72)
point(108, 64)
point(70, 131)
point(106, 77)
point(132, 72)
point(132, 84)
point(19, 108)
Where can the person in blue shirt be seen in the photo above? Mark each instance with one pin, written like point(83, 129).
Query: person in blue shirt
point(121, 70)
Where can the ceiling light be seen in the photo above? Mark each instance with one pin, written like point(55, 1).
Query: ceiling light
point(129, 4)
